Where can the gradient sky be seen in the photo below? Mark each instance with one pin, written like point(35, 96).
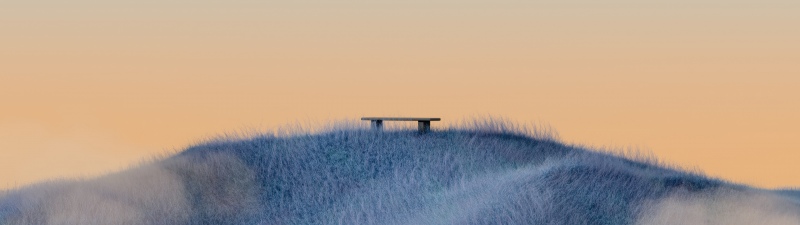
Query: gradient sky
point(90, 86)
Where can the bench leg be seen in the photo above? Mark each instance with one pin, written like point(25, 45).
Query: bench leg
point(377, 125)
point(424, 126)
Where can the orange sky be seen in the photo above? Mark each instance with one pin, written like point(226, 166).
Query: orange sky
point(89, 86)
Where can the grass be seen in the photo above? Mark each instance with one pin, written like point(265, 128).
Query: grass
point(479, 172)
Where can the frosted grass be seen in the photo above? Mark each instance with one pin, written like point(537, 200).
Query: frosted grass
point(476, 172)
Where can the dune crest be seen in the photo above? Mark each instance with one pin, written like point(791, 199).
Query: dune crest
point(486, 173)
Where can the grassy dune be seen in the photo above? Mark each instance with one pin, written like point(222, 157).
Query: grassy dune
point(484, 173)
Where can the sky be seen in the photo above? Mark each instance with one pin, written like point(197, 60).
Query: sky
point(89, 87)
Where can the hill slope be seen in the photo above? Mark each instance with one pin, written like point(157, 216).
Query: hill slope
point(355, 176)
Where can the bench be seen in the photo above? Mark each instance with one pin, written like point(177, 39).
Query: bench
point(424, 124)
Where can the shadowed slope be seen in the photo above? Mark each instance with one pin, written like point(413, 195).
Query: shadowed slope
point(354, 176)
point(791, 193)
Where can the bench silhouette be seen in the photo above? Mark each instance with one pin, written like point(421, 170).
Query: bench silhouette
point(424, 123)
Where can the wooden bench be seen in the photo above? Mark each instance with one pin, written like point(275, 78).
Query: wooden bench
point(424, 124)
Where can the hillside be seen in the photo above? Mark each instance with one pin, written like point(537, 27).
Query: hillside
point(356, 176)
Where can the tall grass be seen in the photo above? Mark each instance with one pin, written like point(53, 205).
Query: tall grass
point(479, 172)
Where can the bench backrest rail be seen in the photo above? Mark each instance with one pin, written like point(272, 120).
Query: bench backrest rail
point(423, 123)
